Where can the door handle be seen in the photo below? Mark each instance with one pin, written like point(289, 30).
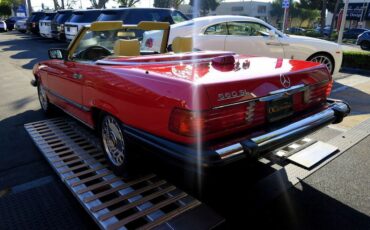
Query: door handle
point(77, 76)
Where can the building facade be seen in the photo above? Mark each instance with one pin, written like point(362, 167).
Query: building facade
point(358, 14)
point(246, 8)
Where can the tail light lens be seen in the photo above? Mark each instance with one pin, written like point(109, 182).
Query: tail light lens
point(33, 24)
point(318, 92)
point(329, 88)
point(189, 123)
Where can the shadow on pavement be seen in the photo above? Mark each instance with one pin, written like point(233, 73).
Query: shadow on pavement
point(234, 193)
point(20, 159)
point(30, 47)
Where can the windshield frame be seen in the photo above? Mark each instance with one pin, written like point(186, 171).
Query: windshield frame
point(81, 34)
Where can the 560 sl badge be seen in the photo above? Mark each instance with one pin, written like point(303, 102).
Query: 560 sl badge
point(232, 94)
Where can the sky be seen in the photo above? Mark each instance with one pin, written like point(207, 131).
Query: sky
point(36, 4)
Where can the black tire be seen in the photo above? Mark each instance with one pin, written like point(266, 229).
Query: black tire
point(326, 58)
point(365, 45)
point(46, 106)
point(116, 145)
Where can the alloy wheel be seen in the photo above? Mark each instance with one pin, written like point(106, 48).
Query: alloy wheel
point(365, 45)
point(43, 98)
point(113, 140)
point(323, 59)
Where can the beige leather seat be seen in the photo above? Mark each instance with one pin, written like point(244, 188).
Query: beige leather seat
point(123, 47)
point(182, 44)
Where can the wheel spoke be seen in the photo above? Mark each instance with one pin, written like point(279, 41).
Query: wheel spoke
point(113, 141)
point(323, 60)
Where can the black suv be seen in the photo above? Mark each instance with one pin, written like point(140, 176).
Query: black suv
point(11, 21)
point(33, 22)
point(57, 25)
point(136, 15)
point(79, 19)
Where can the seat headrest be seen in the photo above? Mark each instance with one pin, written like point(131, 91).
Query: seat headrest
point(182, 44)
point(123, 47)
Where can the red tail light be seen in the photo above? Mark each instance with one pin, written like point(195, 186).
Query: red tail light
point(189, 123)
point(329, 88)
point(318, 92)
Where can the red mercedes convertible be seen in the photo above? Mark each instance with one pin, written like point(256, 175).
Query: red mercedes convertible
point(201, 107)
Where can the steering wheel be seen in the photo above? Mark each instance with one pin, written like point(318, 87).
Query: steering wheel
point(94, 53)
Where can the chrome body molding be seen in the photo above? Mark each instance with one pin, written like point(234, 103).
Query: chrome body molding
point(70, 114)
point(103, 62)
point(335, 112)
point(69, 101)
point(230, 151)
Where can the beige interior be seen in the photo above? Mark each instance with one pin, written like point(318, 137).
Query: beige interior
point(124, 47)
point(182, 44)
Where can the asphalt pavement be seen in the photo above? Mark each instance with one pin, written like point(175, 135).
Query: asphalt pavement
point(31, 196)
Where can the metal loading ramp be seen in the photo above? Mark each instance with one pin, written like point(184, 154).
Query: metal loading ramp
point(141, 203)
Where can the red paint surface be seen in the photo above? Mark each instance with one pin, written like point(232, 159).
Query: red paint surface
point(143, 91)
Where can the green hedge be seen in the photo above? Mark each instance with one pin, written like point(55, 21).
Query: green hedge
point(356, 59)
point(313, 34)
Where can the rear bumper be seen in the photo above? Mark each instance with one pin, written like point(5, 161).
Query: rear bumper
point(334, 113)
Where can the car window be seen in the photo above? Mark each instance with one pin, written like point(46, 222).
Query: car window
point(178, 17)
point(62, 17)
point(48, 17)
point(111, 16)
point(136, 16)
point(83, 17)
point(218, 29)
point(36, 16)
point(247, 29)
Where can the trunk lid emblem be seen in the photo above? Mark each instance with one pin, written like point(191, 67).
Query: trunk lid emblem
point(285, 81)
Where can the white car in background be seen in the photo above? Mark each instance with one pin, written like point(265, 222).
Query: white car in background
point(250, 36)
point(45, 25)
point(79, 19)
point(21, 25)
point(3, 26)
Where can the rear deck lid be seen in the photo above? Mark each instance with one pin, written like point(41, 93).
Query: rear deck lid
point(229, 78)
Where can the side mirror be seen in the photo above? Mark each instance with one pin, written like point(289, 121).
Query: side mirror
point(57, 53)
point(272, 34)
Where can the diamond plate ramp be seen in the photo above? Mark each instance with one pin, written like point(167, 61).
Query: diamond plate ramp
point(114, 203)
point(43, 207)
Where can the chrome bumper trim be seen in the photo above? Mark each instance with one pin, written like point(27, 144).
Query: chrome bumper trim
point(333, 114)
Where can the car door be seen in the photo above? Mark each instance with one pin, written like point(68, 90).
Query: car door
point(211, 38)
point(64, 82)
point(252, 38)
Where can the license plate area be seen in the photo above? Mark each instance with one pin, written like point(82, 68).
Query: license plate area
point(279, 108)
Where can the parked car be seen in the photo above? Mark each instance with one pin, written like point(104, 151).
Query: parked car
point(296, 30)
point(45, 24)
point(252, 36)
point(33, 22)
point(353, 33)
point(231, 106)
point(79, 19)
point(3, 26)
point(57, 24)
point(136, 15)
point(10, 22)
point(363, 40)
point(325, 32)
point(21, 25)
